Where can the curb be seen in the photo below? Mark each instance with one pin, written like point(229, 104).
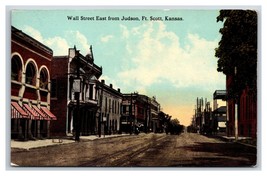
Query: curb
point(234, 141)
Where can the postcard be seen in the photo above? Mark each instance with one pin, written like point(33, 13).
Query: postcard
point(133, 88)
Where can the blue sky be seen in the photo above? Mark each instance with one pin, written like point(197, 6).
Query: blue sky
point(172, 60)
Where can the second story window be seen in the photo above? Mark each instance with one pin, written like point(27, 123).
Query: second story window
point(16, 69)
point(44, 79)
point(30, 74)
point(91, 91)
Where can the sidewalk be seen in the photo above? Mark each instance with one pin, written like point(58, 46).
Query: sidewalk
point(27, 145)
point(241, 140)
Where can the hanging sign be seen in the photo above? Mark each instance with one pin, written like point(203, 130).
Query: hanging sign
point(76, 85)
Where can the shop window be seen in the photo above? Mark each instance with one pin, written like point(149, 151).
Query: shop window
point(16, 69)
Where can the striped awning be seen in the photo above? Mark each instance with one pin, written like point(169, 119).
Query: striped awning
point(17, 112)
point(48, 113)
point(33, 115)
point(41, 115)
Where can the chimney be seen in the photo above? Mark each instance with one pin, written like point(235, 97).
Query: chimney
point(119, 90)
point(111, 86)
point(103, 81)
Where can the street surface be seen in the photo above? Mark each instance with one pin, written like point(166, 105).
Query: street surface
point(144, 150)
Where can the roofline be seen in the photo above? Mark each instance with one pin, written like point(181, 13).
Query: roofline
point(31, 40)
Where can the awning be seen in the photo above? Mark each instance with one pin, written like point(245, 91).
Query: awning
point(17, 111)
point(33, 115)
point(48, 113)
point(41, 115)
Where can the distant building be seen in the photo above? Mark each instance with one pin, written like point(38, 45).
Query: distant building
point(203, 117)
point(64, 93)
point(155, 123)
point(30, 87)
point(141, 111)
point(110, 108)
point(219, 120)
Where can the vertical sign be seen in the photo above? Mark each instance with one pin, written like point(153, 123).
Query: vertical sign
point(76, 85)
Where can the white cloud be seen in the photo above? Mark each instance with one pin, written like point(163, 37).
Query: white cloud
point(106, 38)
point(160, 57)
point(60, 45)
point(79, 40)
point(33, 33)
point(125, 31)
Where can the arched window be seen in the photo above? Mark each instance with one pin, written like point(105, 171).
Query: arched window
point(16, 68)
point(44, 79)
point(30, 74)
point(113, 125)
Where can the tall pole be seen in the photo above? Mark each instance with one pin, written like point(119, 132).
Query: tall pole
point(236, 121)
point(131, 113)
point(236, 112)
point(77, 134)
point(100, 105)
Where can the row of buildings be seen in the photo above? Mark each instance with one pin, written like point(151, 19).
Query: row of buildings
point(62, 95)
point(238, 118)
point(208, 120)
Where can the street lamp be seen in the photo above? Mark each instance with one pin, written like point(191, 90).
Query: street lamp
point(99, 111)
point(77, 90)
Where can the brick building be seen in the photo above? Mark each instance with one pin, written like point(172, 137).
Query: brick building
point(64, 98)
point(139, 110)
point(30, 87)
point(110, 109)
point(245, 109)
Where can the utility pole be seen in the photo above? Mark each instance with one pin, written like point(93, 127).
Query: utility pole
point(100, 106)
point(131, 113)
point(77, 94)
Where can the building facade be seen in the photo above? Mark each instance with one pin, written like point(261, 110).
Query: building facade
point(155, 123)
point(219, 120)
point(74, 94)
point(242, 112)
point(110, 101)
point(30, 87)
point(140, 111)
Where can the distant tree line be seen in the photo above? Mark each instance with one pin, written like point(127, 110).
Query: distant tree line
point(174, 127)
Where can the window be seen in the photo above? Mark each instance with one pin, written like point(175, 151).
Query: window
point(16, 69)
point(30, 74)
point(106, 104)
point(124, 108)
point(91, 90)
point(43, 79)
point(109, 104)
point(115, 108)
point(118, 108)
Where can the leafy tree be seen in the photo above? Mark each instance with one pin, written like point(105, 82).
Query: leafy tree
point(237, 51)
point(174, 127)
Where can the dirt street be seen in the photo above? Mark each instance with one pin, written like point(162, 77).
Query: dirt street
point(144, 150)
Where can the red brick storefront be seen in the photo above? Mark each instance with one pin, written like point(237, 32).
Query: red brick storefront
point(30, 87)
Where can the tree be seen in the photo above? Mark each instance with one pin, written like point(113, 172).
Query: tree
point(174, 127)
point(237, 51)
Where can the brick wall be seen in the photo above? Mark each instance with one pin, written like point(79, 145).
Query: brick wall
point(59, 103)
